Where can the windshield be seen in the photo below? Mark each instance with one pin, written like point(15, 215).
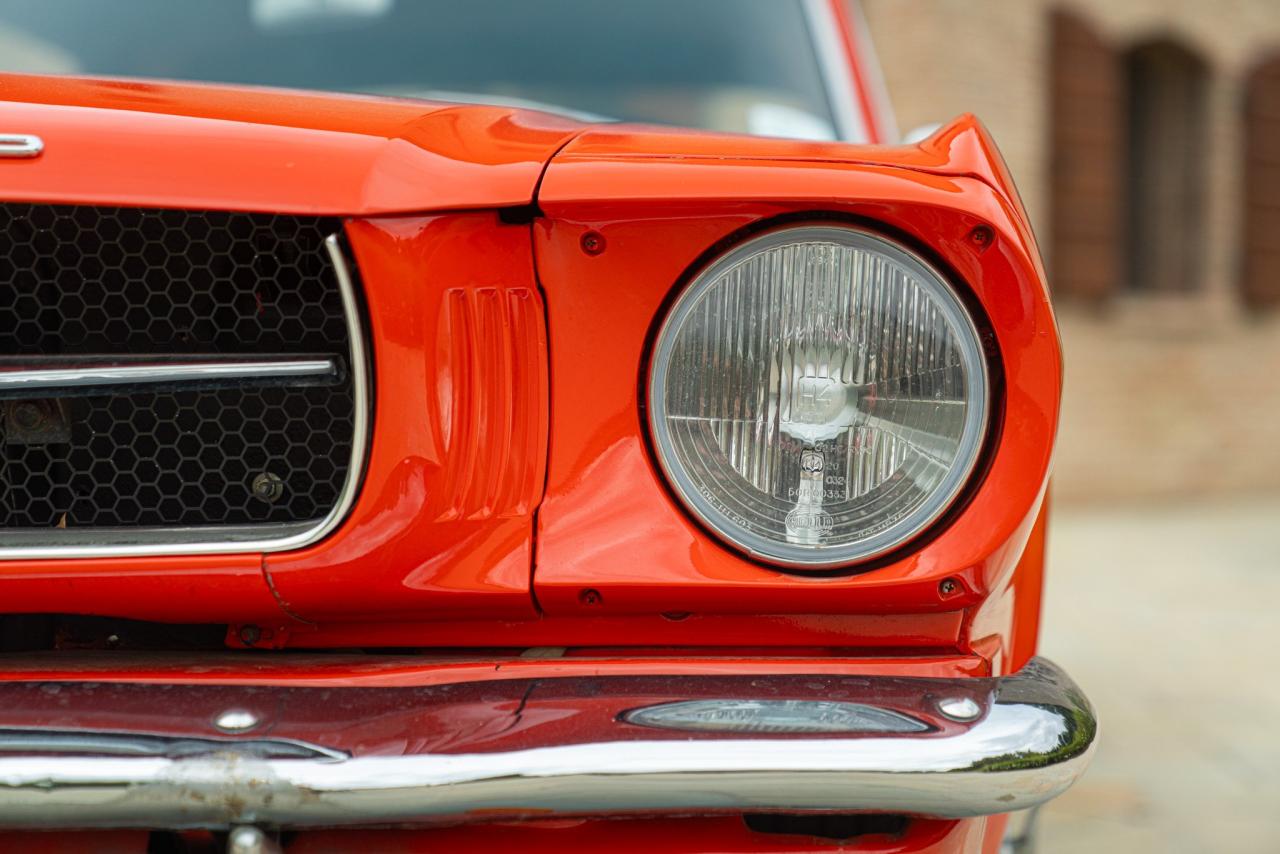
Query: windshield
point(732, 65)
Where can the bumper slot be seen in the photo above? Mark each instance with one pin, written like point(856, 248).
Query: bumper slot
point(563, 746)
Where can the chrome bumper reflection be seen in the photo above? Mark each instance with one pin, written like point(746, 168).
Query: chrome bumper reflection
point(547, 747)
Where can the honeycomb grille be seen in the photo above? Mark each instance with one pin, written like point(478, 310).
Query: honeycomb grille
point(128, 283)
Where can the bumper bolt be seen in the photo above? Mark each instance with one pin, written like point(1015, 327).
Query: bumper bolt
point(250, 840)
point(961, 709)
point(235, 720)
point(28, 416)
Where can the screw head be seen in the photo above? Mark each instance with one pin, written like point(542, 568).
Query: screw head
point(248, 840)
point(962, 709)
point(593, 243)
point(948, 587)
point(982, 236)
point(267, 487)
point(235, 721)
point(28, 416)
point(590, 597)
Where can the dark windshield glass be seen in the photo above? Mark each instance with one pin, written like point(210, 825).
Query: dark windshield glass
point(742, 65)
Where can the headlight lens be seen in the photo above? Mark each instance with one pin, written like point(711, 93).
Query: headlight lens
point(817, 396)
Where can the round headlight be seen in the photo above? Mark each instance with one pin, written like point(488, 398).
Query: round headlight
point(817, 396)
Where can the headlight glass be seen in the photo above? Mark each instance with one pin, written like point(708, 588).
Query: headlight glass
point(817, 396)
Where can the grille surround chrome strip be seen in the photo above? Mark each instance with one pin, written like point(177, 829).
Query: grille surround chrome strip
point(68, 543)
point(101, 375)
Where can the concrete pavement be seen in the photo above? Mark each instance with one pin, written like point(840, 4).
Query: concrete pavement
point(1167, 617)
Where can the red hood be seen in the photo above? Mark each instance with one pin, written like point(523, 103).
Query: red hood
point(190, 145)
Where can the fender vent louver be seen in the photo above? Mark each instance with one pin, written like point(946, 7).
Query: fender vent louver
point(175, 381)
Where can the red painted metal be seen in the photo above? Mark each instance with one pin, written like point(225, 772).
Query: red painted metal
point(623, 836)
point(1004, 628)
point(509, 357)
point(188, 589)
point(161, 144)
point(444, 523)
point(961, 148)
point(440, 543)
point(638, 836)
point(73, 842)
point(660, 200)
point(336, 670)
point(869, 105)
point(926, 632)
point(155, 144)
point(491, 716)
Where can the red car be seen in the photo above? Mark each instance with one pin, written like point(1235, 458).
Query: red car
point(383, 473)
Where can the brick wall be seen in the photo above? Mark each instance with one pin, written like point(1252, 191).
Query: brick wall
point(1166, 395)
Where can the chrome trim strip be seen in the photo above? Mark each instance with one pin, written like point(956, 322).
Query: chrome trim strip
point(58, 543)
point(837, 76)
point(872, 74)
point(98, 375)
point(1034, 737)
point(241, 536)
point(20, 145)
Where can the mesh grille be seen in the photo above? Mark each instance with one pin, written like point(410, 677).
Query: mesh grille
point(127, 282)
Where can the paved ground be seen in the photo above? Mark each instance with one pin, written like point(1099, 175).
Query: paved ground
point(1167, 616)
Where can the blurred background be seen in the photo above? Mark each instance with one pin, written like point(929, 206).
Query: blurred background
point(1145, 139)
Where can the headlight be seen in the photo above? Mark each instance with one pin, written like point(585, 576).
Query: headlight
point(817, 396)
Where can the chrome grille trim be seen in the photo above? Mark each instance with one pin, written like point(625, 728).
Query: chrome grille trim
point(98, 374)
point(64, 543)
point(71, 540)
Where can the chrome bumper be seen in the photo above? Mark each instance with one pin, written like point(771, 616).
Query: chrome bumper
point(109, 755)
